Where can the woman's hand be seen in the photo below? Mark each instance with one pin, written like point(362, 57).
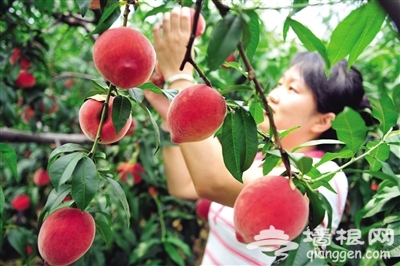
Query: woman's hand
point(170, 41)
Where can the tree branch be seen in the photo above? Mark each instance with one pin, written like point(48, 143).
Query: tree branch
point(18, 136)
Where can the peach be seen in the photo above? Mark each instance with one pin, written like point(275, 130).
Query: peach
point(21, 202)
point(269, 202)
point(95, 4)
point(124, 56)
point(25, 80)
point(230, 58)
point(133, 170)
point(201, 23)
point(27, 114)
point(23, 61)
point(65, 236)
point(50, 106)
point(89, 120)
point(202, 208)
point(41, 177)
point(195, 114)
point(152, 191)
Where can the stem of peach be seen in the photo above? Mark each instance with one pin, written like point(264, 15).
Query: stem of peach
point(102, 118)
point(126, 13)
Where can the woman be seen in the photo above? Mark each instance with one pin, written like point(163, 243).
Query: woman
point(302, 98)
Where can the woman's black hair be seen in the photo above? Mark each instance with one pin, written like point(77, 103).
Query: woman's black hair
point(342, 88)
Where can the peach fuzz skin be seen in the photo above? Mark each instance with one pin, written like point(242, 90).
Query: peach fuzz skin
point(89, 120)
point(124, 56)
point(269, 201)
point(65, 236)
point(195, 114)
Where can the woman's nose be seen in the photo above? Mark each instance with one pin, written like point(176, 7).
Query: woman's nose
point(272, 97)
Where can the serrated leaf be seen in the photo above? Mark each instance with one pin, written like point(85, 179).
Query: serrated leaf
point(383, 110)
point(105, 231)
point(223, 40)
point(100, 85)
point(119, 192)
point(180, 244)
point(9, 157)
point(84, 183)
point(239, 142)
point(68, 147)
point(309, 40)
point(381, 153)
point(155, 126)
point(62, 168)
point(298, 5)
point(121, 111)
point(375, 16)
point(350, 128)
point(257, 112)
point(171, 93)
point(150, 86)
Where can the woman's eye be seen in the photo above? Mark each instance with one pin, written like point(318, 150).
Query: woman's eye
point(292, 89)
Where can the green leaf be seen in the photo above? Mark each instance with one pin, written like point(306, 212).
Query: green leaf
point(383, 110)
point(381, 153)
point(17, 240)
point(150, 86)
point(309, 40)
point(317, 210)
point(350, 128)
point(61, 170)
point(354, 32)
point(254, 29)
point(105, 231)
point(239, 142)
point(298, 5)
point(121, 111)
point(179, 243)
point(68, 147)
point(257, 112)
point(100, 85)
point(170, 93)
point(271, 160)
point(223, 40)
point(110, 14)
point(155, 126)
point(173, 254)
point(84, 183)
point(344, 153)
point(375, 15)
point(119, 192)
point(136, 94)
point(9, 157)
point(301, 162)
point(53, 200)
point(83, 6)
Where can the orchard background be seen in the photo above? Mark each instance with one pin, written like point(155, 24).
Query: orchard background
point(138, 223)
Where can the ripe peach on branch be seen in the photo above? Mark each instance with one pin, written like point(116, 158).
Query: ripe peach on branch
point(21, 202)
point(268, 202)
point(124, 56)
point(195, 114)
point(65, 236)
point(89, 120)
point(41, 177)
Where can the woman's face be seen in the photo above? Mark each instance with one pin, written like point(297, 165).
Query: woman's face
point(293, 104)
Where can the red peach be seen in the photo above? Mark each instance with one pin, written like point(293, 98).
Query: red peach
point(133, 170)
point(65, 236)
point(25, 80)
point(95, 4)
point(202, 208)
point(201, 23)
point(21, 202)
point(41, 177)
point(24, 62)
point(89, 120)
point(269, 202)
point(68, 83)
point(195, 114)
point(230, 58)
point(153, 192)
point(124, 56)
point(27, 114)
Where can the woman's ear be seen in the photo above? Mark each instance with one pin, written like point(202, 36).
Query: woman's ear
point(323, 122)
